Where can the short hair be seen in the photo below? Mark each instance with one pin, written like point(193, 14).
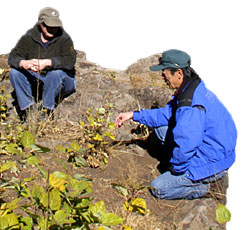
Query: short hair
point(187, 71)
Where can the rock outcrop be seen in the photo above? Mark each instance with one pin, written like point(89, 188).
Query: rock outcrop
point(132, 89)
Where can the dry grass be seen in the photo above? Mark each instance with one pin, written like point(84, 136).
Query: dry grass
point(138, 222)
point(129, 175)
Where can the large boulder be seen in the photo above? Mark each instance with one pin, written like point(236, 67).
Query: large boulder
point(133, 89)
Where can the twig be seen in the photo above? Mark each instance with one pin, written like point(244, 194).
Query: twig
point(47, 190)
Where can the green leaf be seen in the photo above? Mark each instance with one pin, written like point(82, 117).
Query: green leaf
point(223, 215)
point(104, 227)
point(77, 188)
point(67, 207)
point(127, 227)
point(121, 189)
point(54, 200)
point(9, 221)
point(108, 134)
point(59, 174)
point(7, 166)
point(60, 216)
point(84, 204)
point(33, 160)
point(28, 179)
point(110, 105)
point(42, 223)
point(112, 125)
point(111, 219)
point(138, 205)
point(101, 111)
point(75, 146)
point(91, 120)
point(86, 215)
point(26, 193)
point(81, 161)
point(12, 148)
point(39, 148)
point(81, 186)
point(45, 174)
point(81, 177)
point(28, 222)
point(44, 200)
point(37, 192)
point(57, 182)
point(13, 204)
point(61, 148)
point(3, 222)
point(27, 139)
point(98, 209)
point(98, 137)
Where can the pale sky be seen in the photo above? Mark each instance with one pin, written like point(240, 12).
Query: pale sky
point(116, 33)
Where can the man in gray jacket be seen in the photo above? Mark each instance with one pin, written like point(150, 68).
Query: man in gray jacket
point(43, 60)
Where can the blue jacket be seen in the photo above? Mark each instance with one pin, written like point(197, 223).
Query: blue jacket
point(204, 138)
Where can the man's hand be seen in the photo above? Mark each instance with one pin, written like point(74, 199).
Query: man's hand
point(35, 65)
point(40, 64)
point(122, 117)
point(26, 64)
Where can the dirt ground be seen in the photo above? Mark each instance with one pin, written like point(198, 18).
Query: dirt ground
point(130, 165)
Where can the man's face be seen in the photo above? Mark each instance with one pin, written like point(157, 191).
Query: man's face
point(47, 31)
point(173, 80)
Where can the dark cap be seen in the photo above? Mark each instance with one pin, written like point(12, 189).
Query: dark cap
point(50, 17)
point(172, 59)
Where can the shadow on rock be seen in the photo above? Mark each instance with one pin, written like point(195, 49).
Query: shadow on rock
point(156, 150)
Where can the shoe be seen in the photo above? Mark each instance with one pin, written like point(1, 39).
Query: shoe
point(28, 113)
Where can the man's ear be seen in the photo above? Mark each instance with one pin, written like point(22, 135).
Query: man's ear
point(180, 74)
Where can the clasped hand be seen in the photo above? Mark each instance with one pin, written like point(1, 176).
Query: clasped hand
point(35, 65)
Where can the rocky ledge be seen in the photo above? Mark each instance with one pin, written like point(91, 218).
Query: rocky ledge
point(132, 89)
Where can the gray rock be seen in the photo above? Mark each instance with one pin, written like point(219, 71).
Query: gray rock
point(133, 89)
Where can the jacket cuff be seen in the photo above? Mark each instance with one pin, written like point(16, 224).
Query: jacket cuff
point(55, 63)
point(136, 116)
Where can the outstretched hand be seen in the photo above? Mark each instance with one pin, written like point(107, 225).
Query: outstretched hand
point(122, 117)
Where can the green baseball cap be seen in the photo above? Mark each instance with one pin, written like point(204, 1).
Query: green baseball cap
point(50, 17)
point(172, 59)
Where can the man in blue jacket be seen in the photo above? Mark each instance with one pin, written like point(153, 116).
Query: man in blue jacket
point(197, 125)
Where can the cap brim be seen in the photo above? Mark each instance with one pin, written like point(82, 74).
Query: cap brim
point(162, 67)
point(53, 22)
point(156, 67)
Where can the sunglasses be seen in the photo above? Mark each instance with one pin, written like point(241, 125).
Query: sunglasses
point(49, 27)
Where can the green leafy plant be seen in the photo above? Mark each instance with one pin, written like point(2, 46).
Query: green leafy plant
point(132, 202)
point(75, 153)
point(3, 104)
point(99, 216)
point(28, 142)
point(6, 183)
point(62, 203)
point(223, 215)
point(21, 142)
point(8, 220)
point(97, 132)
point(96, 136)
